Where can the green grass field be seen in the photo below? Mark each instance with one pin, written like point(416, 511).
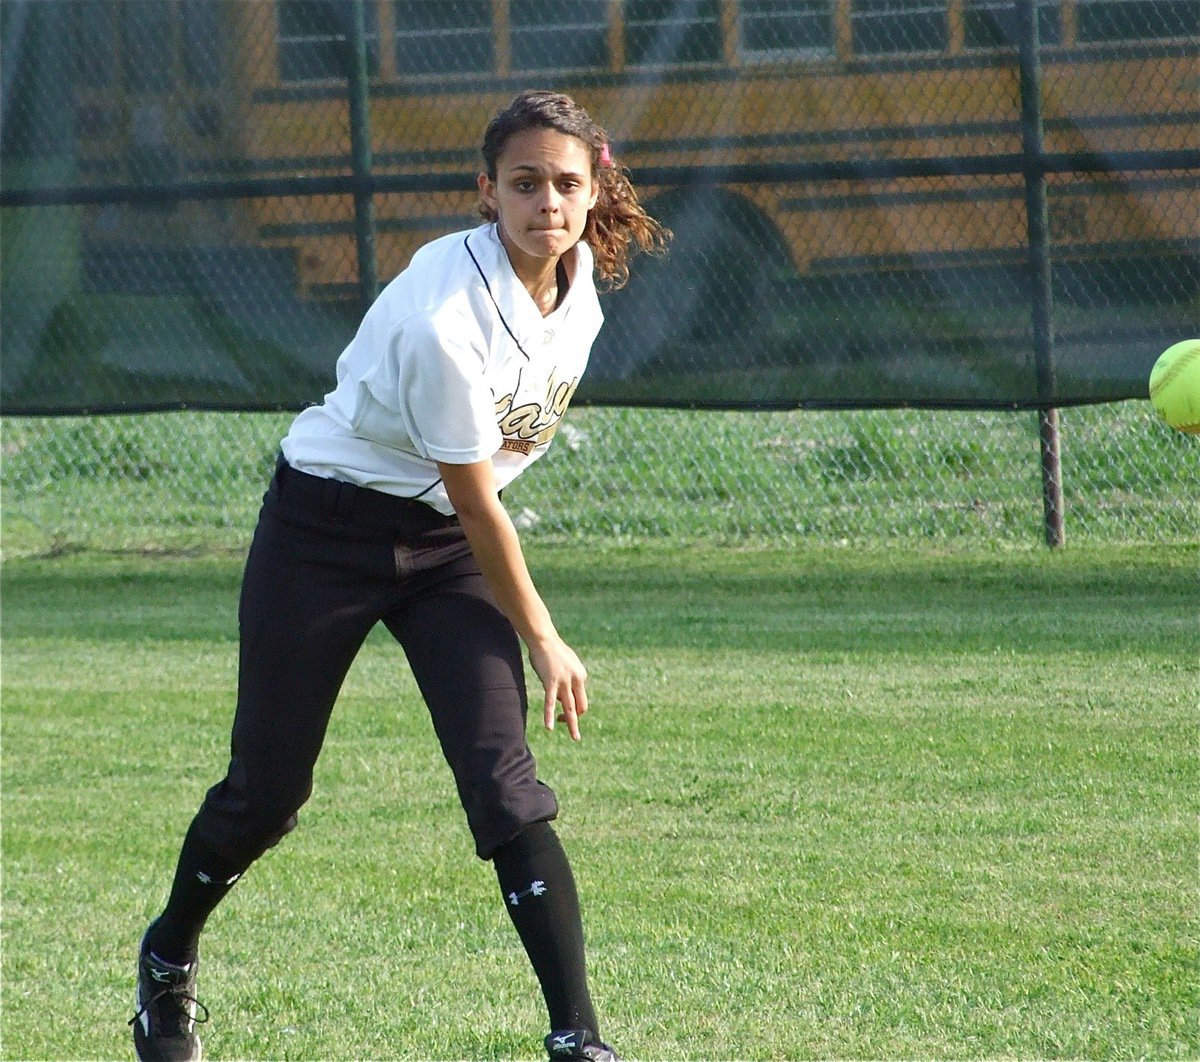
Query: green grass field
point(938, 803)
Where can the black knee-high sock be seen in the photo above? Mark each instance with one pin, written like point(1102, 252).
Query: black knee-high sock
point(202, 878)
point(540, 896)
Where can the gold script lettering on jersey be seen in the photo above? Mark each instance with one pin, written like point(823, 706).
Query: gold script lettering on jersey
point(528, 424)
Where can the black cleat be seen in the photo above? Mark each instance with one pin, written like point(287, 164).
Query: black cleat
point(578, 1045)
point(164, 1027)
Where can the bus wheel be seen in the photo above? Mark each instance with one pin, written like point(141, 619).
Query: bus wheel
point(724, 258)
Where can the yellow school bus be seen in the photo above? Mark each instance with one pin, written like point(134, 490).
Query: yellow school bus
point(730, 92)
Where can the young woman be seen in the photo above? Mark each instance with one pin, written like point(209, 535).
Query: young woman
point(385, 507)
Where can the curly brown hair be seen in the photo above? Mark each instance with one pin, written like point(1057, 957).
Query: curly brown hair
point(617, 226)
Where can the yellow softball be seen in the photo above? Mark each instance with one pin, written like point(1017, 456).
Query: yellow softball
point(1175, 385)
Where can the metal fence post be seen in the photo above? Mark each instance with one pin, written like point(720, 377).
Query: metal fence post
point(1041, 290)
point(360, 155)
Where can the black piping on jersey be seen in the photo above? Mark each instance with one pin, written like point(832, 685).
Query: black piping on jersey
point(418, 497)
point(488, 288)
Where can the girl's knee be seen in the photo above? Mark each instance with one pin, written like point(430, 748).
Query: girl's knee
point(245, 815)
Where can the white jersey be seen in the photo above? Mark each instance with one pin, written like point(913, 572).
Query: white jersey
point(454, 363)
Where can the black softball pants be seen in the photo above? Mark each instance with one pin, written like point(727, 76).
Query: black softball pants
point(328, 561)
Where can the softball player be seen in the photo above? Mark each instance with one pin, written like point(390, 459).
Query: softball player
point(384, 507)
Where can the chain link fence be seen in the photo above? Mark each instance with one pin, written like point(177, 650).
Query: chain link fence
point(906, 235)
point(193, 481)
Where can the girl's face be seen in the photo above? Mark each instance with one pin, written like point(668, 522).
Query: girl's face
point(542, 194)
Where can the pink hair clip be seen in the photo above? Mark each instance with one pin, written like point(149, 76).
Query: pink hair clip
point(605, 155)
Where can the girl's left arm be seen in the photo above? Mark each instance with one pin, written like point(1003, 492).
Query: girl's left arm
point(497, 548)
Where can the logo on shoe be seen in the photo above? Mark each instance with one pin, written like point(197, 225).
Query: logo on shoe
point(564, 1043)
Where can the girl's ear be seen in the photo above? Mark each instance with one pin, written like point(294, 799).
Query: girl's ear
point(487, 190)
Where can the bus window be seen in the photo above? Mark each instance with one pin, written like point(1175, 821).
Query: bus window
point(1104, 21)
point(201, 28)
point(796, 29)
point(93, 29)
point(891, 27)
point(444, 38)
point(311, 36)
point(670, 33)
point(147, 45)
point(993, 23)
point(559, 34)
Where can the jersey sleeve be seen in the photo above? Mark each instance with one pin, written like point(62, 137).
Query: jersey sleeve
point(443, 397)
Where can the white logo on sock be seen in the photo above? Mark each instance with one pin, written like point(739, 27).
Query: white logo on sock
point(207, 879)
point(537, 888)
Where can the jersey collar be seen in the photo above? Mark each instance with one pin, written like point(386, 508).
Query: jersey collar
point(516, 307)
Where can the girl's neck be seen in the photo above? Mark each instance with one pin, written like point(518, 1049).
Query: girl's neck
point(546, 287)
